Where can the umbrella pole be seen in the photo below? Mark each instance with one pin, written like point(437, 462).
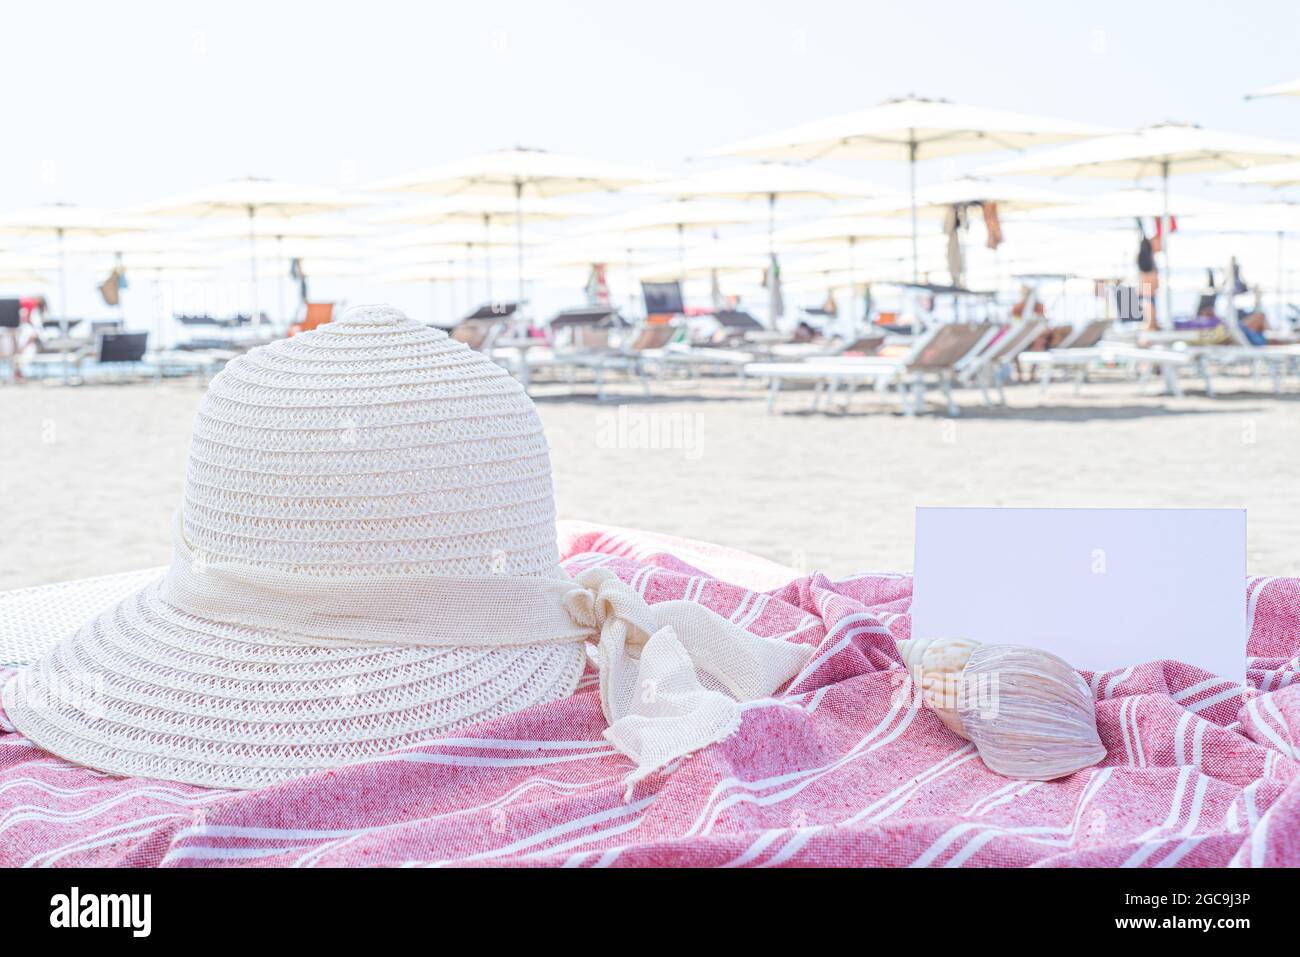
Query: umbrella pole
point(911, 179)
point(469, 276)
point(771, 223)
point(252, 265)
point(487, 255)
point(63, 307)
point(681, 257)
point(631, 286)
point(853, 289)
point(279, 255)
point(1164, 253)
point(771, 258)
point(1281, 282)
point(519, 237)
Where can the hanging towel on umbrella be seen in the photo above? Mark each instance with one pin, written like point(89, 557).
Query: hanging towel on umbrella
point(775, 296)
point(952, 226)
point(992, 225)
point(300, 277)
point(111, 288)
point(597, 287)
point(1157, 241)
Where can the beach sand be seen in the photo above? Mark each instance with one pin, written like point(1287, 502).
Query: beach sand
point(93, 474)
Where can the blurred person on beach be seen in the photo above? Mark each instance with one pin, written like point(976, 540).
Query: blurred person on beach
point(26, 338)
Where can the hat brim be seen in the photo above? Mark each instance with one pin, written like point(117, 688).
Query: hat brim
point(146, 690)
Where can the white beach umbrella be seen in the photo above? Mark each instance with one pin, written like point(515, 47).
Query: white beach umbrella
point(704, 263)
point(486, 209)
point(624, 251)
point(1280, 89)
point(12, 275)
point(1130, 204)
point(519, 174)
point(294, 237)
point(1274, 174)
point(768, 182)
point(26, 268)
point(439, 242)
point(297, 249)
point(454, 234)
point(157, 263)
point(432, 273)
point(323, 267)
point(63, 220)
point(122, 244)
point(1163, 150)
point(934, 200)
point(127, 248)
point(1160, 151)
point(252, 198)
point(844, 229)
point(852, 232)
point(147, 261)
point(910, 129)
point(679, 216)
point(285, 227)
point(1278, 220)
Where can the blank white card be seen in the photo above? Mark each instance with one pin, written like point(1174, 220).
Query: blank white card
point(1102, 588)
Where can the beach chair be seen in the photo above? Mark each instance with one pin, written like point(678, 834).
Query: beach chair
point(478, 334)
point(1077, 350)
point(1275, 359)
point(986, 369)
point(110, 350)
point(641, 352)
point(318, 313)
point(935, 356)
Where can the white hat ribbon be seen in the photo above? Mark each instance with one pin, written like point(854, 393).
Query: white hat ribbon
point(672, 674)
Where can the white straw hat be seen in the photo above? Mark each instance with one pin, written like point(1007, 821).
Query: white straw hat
point(365, 557)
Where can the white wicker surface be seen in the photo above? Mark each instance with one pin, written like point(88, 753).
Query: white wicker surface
point(32, 620)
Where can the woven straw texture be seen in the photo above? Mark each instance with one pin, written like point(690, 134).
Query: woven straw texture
point(372, 447)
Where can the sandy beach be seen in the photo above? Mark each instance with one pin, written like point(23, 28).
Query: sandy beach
point(93, 474)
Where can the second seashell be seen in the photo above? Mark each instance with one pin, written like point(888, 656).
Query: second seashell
point(1028, 713)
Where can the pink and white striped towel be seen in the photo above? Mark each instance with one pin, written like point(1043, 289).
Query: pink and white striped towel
point(842, 769)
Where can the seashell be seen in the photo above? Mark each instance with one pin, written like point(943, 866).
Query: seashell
point(937, 664)
point(1029, 714)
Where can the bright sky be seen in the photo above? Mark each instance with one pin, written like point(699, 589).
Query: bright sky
point(113, 104)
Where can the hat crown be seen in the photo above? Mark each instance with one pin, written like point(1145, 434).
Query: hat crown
point(372, 445)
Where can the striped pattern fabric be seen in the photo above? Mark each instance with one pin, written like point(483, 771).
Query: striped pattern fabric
point(841, 769)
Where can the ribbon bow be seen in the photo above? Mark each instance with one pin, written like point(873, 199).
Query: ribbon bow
point(672, 674)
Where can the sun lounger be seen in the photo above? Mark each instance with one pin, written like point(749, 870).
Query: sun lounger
point(478, 334)
point(641, 352)
point(985, 368)
point(1129, 355)
point(1077, 349)
point(1276, 360)
point(318, 313)
point(934, 357)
